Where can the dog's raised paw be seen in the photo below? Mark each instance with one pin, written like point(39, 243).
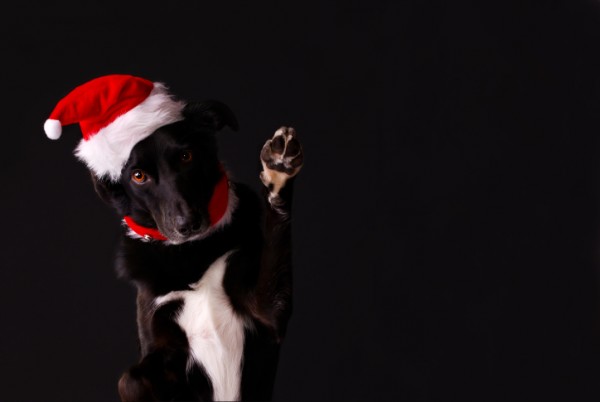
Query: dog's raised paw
point(282, 159)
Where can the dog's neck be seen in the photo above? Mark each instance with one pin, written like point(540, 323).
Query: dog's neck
point(217, 208)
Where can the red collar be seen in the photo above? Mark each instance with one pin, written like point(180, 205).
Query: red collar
point(216, 210)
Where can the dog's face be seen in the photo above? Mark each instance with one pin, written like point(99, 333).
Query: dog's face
point(170, 176)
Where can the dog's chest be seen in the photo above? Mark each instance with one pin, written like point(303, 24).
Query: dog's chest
point(215, 333)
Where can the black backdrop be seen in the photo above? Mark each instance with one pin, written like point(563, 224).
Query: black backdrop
point(446, 221)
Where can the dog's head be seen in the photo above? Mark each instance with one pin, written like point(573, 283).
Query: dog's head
point(170, 176)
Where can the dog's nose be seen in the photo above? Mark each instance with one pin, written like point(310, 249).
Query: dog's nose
point(187, 227)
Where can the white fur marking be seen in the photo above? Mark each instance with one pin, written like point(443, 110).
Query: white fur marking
point(215, 333)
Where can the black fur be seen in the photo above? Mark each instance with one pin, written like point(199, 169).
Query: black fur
point(258, 277)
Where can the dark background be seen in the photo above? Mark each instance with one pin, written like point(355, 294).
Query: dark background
point(446, 221)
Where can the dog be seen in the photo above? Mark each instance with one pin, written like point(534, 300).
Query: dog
point(210, 259)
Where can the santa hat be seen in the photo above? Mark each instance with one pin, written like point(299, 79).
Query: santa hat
point(114, 112)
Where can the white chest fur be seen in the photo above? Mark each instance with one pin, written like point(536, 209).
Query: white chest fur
point(215, 333)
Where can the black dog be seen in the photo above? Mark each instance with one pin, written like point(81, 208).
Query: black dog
point(214, 294)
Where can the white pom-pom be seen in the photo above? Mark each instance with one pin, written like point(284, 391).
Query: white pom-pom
point(53, 129)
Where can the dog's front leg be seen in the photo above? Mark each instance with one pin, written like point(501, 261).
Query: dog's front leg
point(159, 376)
point(282, 159)
point(163, 372)
point(136, 385)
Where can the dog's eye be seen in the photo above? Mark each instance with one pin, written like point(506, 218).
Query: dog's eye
point(138, 176)
point(186, 156)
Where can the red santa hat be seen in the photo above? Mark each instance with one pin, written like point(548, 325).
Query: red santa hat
point(114, 112)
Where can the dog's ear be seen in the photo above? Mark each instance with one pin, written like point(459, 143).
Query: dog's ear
point(210, 113)
point(112, 194)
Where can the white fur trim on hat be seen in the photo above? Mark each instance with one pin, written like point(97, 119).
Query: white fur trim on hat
point(107, 151)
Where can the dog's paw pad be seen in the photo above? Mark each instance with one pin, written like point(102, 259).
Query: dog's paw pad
point(282, 159)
